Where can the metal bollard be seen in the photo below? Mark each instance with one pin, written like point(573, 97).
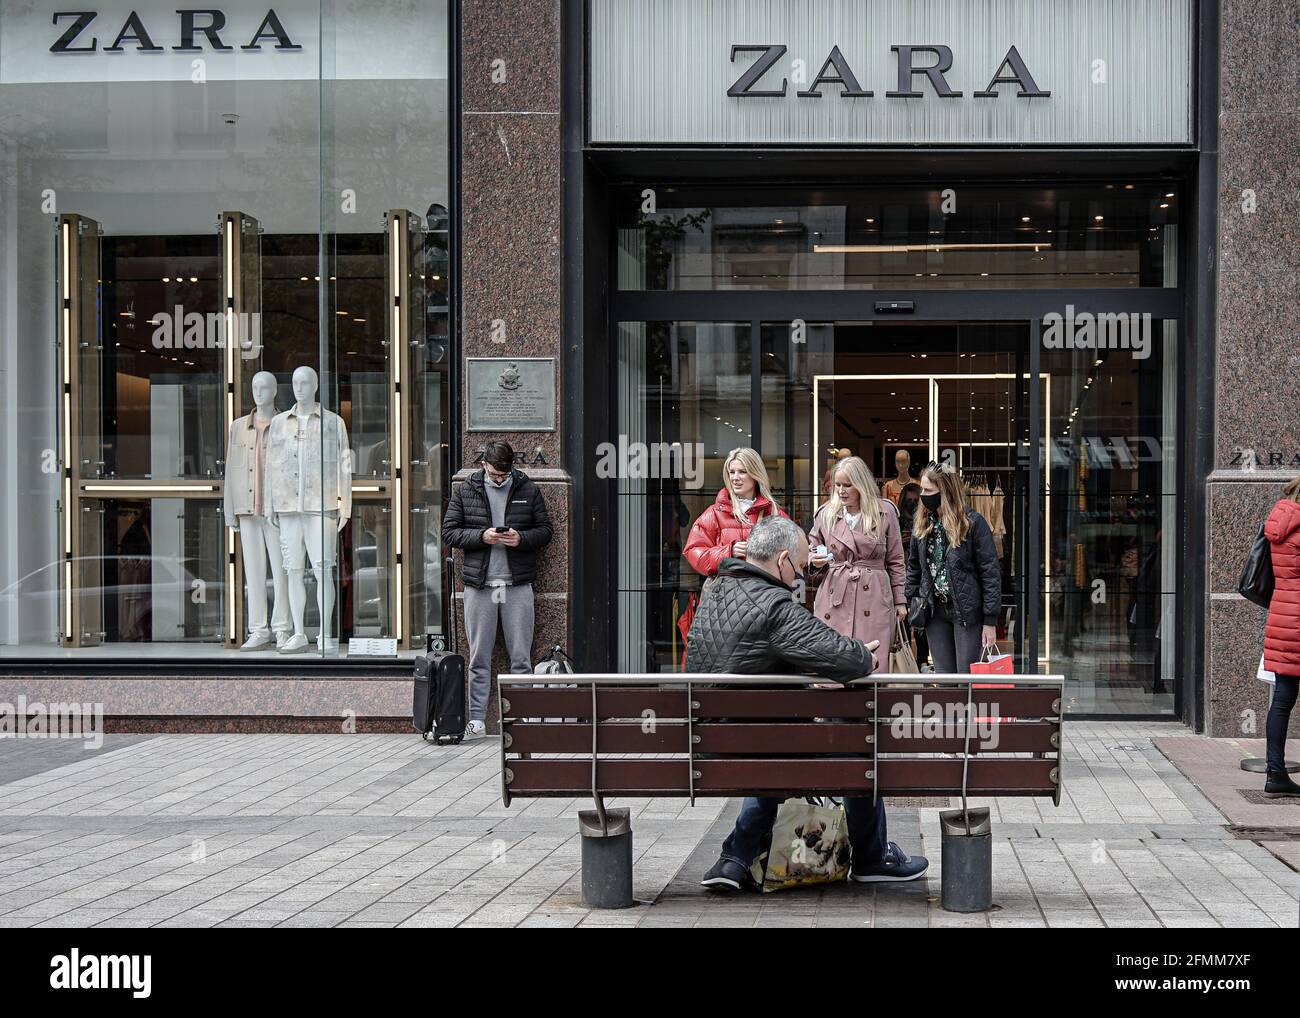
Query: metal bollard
point(606, 858)
point(967, 883)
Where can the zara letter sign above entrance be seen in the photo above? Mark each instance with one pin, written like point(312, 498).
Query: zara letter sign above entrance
point(1023, 72)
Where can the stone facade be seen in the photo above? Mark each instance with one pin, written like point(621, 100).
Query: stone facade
point(1258, 317)
point(510, 250)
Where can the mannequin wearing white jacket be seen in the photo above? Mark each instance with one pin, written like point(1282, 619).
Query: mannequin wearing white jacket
point(247, 510)
point(309, 476)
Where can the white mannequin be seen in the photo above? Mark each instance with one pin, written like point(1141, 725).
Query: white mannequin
point(259, 537)
point(310, 479)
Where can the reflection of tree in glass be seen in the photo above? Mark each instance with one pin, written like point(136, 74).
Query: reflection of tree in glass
point(662, 235)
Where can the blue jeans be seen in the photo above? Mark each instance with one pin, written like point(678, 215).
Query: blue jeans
point(753, 831)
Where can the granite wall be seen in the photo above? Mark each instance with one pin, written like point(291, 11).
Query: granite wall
point(510, 246)
point(1257, 418)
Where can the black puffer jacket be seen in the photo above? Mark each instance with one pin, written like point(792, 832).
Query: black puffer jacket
point(469, 514)
point(974, 575)
point(748, 624)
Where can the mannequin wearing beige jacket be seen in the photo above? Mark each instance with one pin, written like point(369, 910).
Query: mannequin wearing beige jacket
point(247, 510)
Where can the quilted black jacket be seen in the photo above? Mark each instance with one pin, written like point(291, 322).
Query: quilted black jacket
point(974, 575)
point(468, 515)
point(748, 624)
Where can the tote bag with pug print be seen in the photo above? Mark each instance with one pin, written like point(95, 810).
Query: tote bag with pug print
point(810, 845)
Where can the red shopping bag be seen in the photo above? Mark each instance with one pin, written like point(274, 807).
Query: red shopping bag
point(992, 663)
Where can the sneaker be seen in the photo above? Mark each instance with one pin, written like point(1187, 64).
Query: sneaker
point(726, 875)
point(296, 644)
point(896, 866)
point(1279, 785)
point(256, 641)
point(475, 730)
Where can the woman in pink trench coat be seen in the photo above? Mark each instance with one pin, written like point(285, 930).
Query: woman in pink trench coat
point(860, 585)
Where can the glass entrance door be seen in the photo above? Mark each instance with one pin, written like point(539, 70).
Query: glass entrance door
point(903, 395)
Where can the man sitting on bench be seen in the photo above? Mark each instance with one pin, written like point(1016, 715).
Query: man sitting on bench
point(748, 623)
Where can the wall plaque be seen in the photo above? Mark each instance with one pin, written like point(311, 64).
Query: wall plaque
point(511, 393)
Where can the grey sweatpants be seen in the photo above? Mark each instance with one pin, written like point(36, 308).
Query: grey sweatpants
point(512, 607)
point(952, 645)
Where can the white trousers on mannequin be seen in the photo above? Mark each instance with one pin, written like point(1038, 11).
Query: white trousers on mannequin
point(311, 536)
point(259, 538)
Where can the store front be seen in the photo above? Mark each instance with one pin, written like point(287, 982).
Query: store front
point(225, 267)
point(882, 230)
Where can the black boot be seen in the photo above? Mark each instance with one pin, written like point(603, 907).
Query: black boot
point(1279, 784)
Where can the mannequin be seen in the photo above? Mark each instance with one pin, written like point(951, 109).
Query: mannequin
point(247, 510)
point(309, 475)
point(903, 476)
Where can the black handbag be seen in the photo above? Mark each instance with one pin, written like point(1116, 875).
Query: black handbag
point(1256, 583)
point(919, 611)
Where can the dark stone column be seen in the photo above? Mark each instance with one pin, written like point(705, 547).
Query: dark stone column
point(1257, 424)
point(510, 250)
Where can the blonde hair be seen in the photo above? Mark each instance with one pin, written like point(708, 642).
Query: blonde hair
point(859, 476)
point(752, 463)
point(1292, 490)
point(952, 507)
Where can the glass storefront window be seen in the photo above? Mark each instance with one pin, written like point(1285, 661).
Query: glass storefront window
point(975, 236)
point(1111, 517)
point(685, 387)
point(216, 219)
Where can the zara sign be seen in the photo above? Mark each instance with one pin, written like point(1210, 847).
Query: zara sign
point(884, 72)
point(198, 29)
point(836, 71)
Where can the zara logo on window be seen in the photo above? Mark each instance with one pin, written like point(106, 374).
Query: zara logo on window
point(197, 29)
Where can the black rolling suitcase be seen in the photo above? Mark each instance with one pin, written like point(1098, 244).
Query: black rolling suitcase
point(439, 701)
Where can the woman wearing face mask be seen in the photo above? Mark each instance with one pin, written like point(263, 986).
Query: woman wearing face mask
point(860, 578)
point(953, 566)
point(720, 531)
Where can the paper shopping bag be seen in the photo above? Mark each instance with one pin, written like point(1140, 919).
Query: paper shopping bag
point(992, 663)
point(810, 845)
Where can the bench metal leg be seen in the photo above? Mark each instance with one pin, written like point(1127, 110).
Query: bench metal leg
point(606, 858)
point(967, 881)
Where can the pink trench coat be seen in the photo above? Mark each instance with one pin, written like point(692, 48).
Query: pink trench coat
point(858, 593)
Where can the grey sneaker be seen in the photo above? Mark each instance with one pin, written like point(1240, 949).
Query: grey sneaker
point(475, 730)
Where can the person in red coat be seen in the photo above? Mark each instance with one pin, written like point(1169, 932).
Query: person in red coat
point(1282, 634)
point(720, 531)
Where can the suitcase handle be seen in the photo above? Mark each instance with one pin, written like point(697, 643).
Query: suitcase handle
point(450, 577)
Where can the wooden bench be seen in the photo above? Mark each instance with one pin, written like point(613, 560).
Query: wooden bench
point(681, 735)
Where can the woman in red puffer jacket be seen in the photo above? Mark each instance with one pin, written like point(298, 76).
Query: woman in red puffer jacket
point(721, 530)
point(1282, 635)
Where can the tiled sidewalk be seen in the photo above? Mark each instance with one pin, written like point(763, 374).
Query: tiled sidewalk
point(383, 830)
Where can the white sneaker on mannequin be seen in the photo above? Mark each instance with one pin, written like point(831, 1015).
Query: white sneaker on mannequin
point(296, 644)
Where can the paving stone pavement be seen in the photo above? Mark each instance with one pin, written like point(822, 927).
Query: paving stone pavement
point(384, 830)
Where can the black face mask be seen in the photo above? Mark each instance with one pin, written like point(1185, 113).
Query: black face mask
point(932, 502)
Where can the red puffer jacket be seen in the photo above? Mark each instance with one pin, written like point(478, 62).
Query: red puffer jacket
point(717, 529)
point(1282, 636)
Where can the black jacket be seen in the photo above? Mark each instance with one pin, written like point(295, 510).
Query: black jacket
point(974, 574)
point(747, 623)
point(469, 515)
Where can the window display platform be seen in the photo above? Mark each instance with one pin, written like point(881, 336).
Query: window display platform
point(218, 658)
